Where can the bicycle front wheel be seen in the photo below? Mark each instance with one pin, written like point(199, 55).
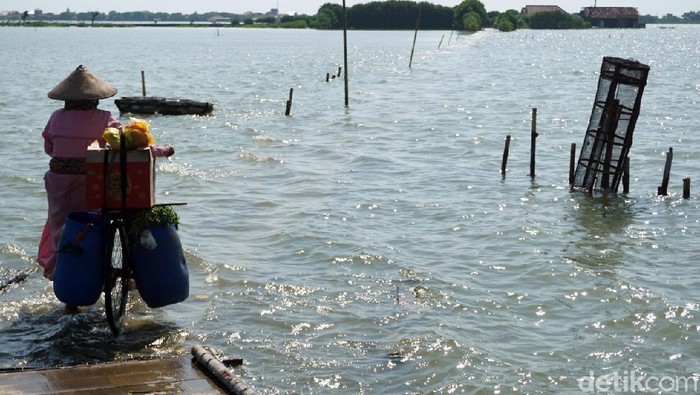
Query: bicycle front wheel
point(116, 277)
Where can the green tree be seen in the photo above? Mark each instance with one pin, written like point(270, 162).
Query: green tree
point(294, 24)
point(504, 24)
point(329, 16)
point(435, 17)
point(491, 17)
point(295, 18)
point(556, 20)
point(385, 15)
point(161, 16)
point(471, 22)
point(267, 19)
point(508, 21)
point(115, 16)
point(466, 7)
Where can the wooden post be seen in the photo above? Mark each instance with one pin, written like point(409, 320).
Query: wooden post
point(533, 142)
point(686, 188)
point(505, 156)
point(328, 77)
point(415, 35)
point(626, 177)
point(345, 51)
point(572, 164)
point(450, 40)
point(289, 102)
point(339, 70)
point(143, 83)
point(442, 38)
point(215, 369)
point(663, 189)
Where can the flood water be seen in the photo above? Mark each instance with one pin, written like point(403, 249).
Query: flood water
point(375, 248)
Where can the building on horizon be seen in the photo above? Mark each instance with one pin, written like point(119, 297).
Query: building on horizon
point(611, 17)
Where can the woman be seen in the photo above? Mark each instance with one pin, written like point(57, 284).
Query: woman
point(67, 135)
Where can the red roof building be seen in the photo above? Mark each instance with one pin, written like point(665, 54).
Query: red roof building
point(611, 17)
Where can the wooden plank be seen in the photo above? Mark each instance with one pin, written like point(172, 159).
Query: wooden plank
point(170, 375)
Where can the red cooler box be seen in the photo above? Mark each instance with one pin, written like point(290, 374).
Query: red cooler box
point(140, 178)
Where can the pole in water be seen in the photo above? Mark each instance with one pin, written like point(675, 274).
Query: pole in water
point(415, 35)
point(450, 40)
point(572, 164)
point(686, 188)
point(143, 83)
point(289, 102)
point(328, 77)
point(339, 70)
point(442, 38)
point(533, 142)
point(345, 50)
point(505, 157)
point(663, 189)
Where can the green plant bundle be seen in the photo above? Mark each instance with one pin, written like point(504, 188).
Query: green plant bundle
point(155, 216)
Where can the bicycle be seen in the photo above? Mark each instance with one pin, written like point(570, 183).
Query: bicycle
point(117, 262)
point(118, 270)
point(132, 236)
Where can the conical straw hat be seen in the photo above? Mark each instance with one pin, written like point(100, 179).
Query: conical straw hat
point(81, 84)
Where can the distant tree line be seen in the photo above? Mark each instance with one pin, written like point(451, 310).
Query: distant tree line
point(688, 17)
point(133, 16)
point(397, 15)
point(469, 15)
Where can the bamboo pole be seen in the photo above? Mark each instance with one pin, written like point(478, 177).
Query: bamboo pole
point(345, 50)
point(204, 360)
point(143, 83)
point(415, 36)
point(533, 142)
point(442, 38)
point(572, 164)
point(289, 102)
point(663, 189)
point(505, 157)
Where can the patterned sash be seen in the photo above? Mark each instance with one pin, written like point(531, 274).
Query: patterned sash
point(60, 165)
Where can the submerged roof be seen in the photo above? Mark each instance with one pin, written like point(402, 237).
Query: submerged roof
point(610, 12)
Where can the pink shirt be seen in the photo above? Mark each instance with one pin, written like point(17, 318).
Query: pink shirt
point(69, 132)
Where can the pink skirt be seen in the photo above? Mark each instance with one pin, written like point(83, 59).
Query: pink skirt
point(66, 194)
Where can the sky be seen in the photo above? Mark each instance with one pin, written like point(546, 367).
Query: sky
point(310, 7)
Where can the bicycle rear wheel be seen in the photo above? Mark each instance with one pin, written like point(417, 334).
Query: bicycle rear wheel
point(116, 276)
